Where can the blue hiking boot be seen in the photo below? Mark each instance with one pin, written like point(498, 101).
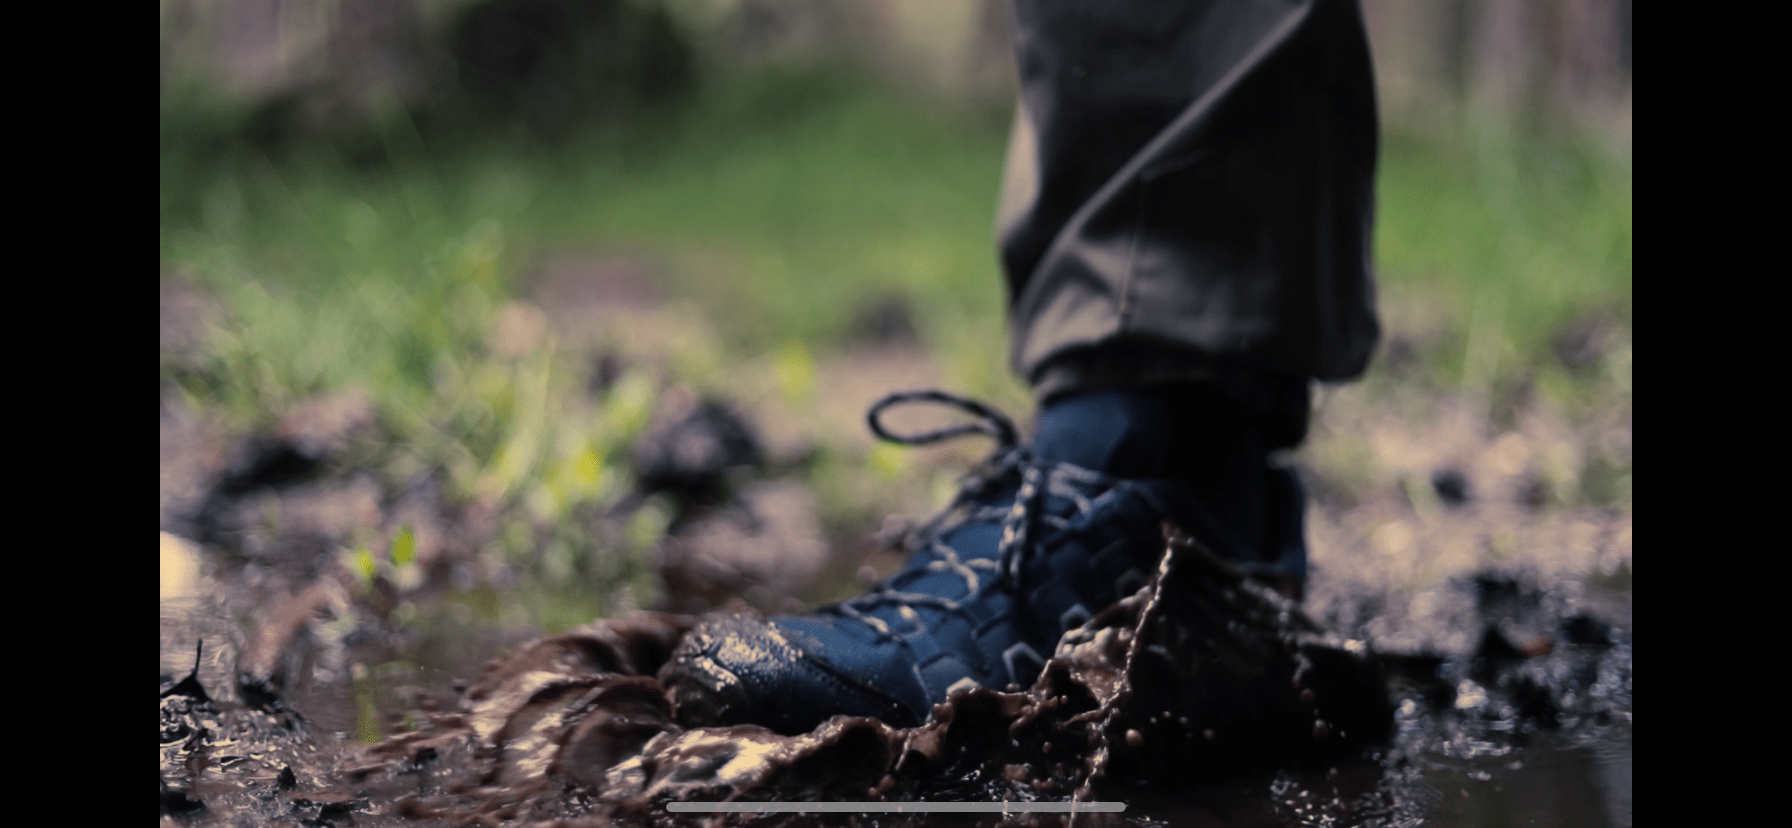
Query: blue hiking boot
point(1046, 536)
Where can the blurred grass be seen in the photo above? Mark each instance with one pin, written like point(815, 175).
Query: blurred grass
point(1526, 234)
point(780, 205)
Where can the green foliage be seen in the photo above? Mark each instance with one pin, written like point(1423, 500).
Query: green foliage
point(1515, 235)
point(777, 206)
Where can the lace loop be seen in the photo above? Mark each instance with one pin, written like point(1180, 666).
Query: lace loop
point(1010, 465)
point(992, 422)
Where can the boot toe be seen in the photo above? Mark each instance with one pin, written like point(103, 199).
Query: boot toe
point(741, 669)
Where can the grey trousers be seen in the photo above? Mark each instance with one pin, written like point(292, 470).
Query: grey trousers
point(1189, 194)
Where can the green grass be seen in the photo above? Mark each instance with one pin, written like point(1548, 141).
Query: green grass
point(777, 206)
point(829, 197)
point(1519, 236)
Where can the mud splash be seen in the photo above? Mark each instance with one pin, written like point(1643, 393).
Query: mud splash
point(1199, 677)
point(1201, 700)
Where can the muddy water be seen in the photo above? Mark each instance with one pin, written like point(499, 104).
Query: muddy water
point(1269, 722)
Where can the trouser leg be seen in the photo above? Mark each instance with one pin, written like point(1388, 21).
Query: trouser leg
point(1189, 194)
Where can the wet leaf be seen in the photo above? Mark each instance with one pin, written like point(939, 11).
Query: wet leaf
point(365, 566)
point(404, 547)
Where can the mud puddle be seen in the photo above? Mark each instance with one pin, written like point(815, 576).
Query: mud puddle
point(1274, 723)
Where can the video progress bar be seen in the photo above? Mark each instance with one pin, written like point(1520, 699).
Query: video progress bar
point(895, 807)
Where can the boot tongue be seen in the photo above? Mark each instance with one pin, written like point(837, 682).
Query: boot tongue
point(1121, 432)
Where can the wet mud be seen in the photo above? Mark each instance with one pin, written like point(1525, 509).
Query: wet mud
point(1204, 699)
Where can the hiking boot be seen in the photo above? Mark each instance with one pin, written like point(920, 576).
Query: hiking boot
point(1043, 538)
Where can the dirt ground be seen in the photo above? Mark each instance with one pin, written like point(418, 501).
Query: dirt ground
point(1471, 557)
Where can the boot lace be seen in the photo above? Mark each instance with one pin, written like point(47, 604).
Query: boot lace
point(1021, 521)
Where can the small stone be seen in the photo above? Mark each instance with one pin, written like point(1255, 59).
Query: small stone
point(1208, 734)
point(1306, 696)
point(1320, 729)
point(1451, 486)
point(1585, 629)
point(1134, 738)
